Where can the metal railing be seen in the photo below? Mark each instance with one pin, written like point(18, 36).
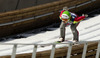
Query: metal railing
point(68, 55)
point(54, 45)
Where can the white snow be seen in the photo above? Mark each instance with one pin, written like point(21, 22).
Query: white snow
point(89, 30)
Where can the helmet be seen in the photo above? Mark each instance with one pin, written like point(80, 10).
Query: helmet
point(66, 15)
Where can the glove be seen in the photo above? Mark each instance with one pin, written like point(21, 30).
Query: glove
point(75, 22)
point(85, 15)
point(69, 23)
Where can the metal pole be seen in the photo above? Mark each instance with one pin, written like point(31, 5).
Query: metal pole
point(84, 50)
point(36, 1)
point(69, 50)
point(14, 51)
point(34, 51)
point(98, 50)
point(93, 0)
point(17, 4)
point(53, 51)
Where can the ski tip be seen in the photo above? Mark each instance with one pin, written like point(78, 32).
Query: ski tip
point(57, 42)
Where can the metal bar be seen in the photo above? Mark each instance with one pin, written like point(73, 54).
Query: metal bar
point(93, 0)
point(3, 24)
point(83, 4)
point(84, 50)
point(17, 4)
point(69, 50)
point(53, 51)
point(72, 7)
point(34, 51)
point(14, 51)
point(98, 51)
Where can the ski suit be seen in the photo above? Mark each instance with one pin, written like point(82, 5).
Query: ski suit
point(73, 21)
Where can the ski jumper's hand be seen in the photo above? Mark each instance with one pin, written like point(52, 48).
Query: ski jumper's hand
point(86, 15)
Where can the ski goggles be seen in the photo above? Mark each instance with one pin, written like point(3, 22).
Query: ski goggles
point(64, 19)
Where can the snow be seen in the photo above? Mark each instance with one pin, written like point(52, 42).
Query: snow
point(89, 30)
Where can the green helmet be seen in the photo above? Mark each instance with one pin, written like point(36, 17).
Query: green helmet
point(66, 15)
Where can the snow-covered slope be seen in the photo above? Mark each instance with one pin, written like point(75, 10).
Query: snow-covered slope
point(89, 30)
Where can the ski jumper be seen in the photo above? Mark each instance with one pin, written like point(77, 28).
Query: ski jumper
point(73, 20)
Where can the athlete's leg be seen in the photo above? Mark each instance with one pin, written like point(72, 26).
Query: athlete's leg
point(62, 30)
point(75, 32)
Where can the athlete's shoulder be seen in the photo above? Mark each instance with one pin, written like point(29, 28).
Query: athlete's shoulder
point(73, 14)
